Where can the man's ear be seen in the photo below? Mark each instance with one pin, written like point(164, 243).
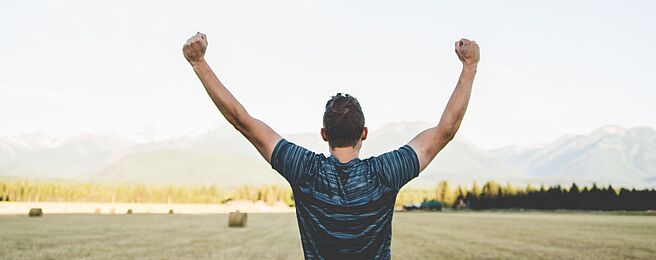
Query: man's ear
point(324, 135)
point(365, 132)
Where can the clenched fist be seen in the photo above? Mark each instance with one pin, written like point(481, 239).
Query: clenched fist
point(194, 48)
point(468, 52)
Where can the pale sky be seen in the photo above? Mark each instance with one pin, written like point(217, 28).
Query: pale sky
point(547, 69)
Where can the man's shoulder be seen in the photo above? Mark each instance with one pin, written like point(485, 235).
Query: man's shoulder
point(294, 162)
point(287, 148)
point(391, 156)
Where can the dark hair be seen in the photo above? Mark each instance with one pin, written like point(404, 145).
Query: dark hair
point(343, 120)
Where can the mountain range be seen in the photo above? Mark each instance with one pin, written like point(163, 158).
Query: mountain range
point(611, 155)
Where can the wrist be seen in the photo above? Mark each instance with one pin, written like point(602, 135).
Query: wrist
point(197, 63)
point(469, 67)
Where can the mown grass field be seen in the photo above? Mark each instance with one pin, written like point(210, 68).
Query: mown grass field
point(416, 235)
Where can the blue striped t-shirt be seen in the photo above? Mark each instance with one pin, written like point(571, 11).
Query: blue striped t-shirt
point(344, 210)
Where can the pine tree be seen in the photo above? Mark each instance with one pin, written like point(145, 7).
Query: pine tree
point(443, 193)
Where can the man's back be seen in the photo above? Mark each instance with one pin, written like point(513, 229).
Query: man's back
point(344, 210)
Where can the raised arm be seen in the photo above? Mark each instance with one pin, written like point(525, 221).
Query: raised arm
point(431, 141)
point(257, 132)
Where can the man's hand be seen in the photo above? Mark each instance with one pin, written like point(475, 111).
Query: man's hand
point(468, 52)
point(194, 48)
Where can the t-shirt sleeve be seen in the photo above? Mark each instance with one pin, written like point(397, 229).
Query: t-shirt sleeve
point(292, 161)
point(398, 167)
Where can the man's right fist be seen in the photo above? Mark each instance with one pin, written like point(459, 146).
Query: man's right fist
point(468, 52)
point(194, 48)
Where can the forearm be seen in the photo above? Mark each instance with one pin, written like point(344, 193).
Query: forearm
point(431, 141)
point(457, 105)
point(227, 104)
point(257, 132)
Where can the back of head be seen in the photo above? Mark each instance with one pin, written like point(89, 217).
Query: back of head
point(343, 121)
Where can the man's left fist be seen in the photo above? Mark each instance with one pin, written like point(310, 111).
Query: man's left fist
point(194, 48)
point(468, 52)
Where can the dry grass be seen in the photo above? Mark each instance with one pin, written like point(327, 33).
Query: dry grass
point(491, 235)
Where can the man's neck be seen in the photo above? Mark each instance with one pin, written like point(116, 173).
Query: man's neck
point(345, 154)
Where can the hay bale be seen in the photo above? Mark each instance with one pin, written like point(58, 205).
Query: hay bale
point(35, 212)
point(129, 212)
point(170, 211)
point(97, 211)
point(237, 219)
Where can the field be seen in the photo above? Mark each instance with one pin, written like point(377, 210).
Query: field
point(416, 235)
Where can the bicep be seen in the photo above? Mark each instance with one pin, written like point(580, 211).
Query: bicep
point(263, 137)
point(428, 143)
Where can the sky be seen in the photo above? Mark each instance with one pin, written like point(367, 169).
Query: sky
point(547, 68)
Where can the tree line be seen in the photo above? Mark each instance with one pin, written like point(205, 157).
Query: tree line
point(493, 196)
point(490, 195)
point(59, 191)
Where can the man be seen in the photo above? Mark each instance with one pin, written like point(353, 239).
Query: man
point(344, 205)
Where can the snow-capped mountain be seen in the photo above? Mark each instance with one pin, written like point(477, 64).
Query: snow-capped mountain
point(609, 155)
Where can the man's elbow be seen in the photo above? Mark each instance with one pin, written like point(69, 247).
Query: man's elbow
point(239, 121)
point(238, 125)
point(449, 135)
point(448, 132)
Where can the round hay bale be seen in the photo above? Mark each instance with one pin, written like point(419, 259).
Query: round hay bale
point(35, 212)
point(97, 211)
point(129, 212)
point(237, 219)
point(170, 211)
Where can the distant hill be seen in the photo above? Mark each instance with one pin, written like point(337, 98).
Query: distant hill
point(222, 157)
point(37, 156)
point(204, 158)
point(460, 162)
point(609, 155)
point(187, 167)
